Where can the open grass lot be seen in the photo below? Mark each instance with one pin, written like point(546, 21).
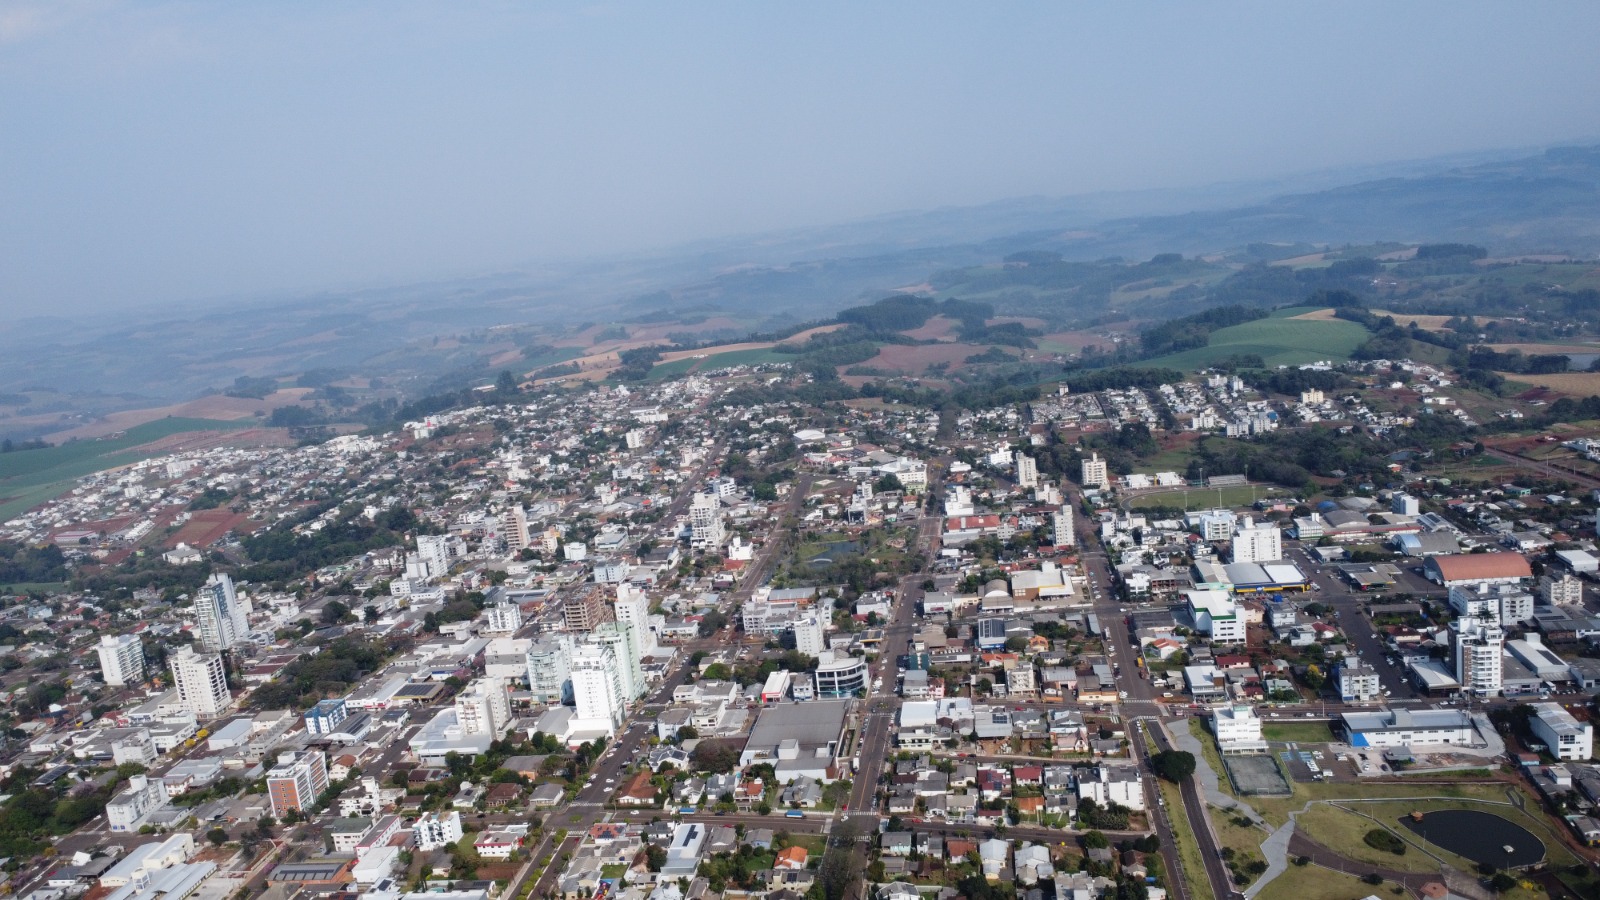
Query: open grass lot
point(1577, 384)
point(1207, 498)
point(748, 357)
point(1278, 340)
point(1317, 883)
point(1342, 832)
point(1303, 732)
point(30, 477)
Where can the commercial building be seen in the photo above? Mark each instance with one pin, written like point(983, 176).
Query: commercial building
point(1565, 736)
point(296, 781)
point(1477, 568)
point(220, 617)
point(1238, 729)
point(201, 681)
point(121, 659)
point(1215, 613)
point(798, 739)
point(1407, 728)
point(840, 675)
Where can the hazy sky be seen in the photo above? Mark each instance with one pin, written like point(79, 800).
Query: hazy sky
point(172, 151)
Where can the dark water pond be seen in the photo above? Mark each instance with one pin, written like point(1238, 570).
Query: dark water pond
point(1479, 836)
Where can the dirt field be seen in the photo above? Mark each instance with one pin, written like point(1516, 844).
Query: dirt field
point(597, 366)
point(658, 331)
point(1427, 323)
point(938, 328)
point(1296, 261)
point(204, 528)
point(915, 360)
point(1070, 341)
point(213, 407)
point(1577, 384)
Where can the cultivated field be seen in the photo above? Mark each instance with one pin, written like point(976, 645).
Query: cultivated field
point(215, 407)
point(938, 328)
point(1577, 384)
point(1279, 341)
point(914, 360)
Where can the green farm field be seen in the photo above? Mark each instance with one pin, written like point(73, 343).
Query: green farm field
point(719, 361)
point(1279, 340)
point(30, 477)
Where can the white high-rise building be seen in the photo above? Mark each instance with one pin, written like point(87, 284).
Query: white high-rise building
point(809, 637)
point(121, 659)
point(1405, 505)
point(705, 518)
point(630, 671)
point(1095, 473)
point(435, 552)
point(550, 668)
point(596, 689)
point(514, 526)
point(1027, 471)
point(484, 708)
point(220, 617)
point(502, 618)
point(202, 682)
point(1257, 543)
point(633, 609)
point(1062, 533)
point(1480, 647)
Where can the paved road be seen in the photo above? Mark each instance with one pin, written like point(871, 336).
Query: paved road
point(1195, 810)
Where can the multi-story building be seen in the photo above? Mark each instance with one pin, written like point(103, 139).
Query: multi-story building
point(1358, 683)
point(633, 609)
point(220, 617)
point(705, 522)
point(585, 610)
point(598, 702)
point(1095, 473)
point(550, 669)
point(324, 718)
point(296, 781)
point(839, 675)
point(622, 640)
point(514, 527)
point(1564, 735)
point(1215, 613)
point(1061, 530)
point(1480, 646)
point(483, 708)
point(809, 636)
point(1257, 543)
point(121, 659)
point(502, 618)
point(1405, 505)
point(435, 830)
point(1564, 591)
point(127, 811)
point(1027, 471)
point(202, 682)
point(434, 549)
point(1238, 729)
point(1505, 604)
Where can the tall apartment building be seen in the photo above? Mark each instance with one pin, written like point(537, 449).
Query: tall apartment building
point(1027, 471)
point(633, 609)
point(1358, 683)
point(1505, 604)
point(434, 549)
point(585, 611)
point(550, 668)
point(1257, 543)
point(296, 781)
point(1480, 647)
point(705, 522)
point(484, 708)
point(1061, 528)
point(809, 635)
point(202, 682)
point(435, 830)
point(121, 659)
point(514, 527)
point(502, 618)
point(220, 617)
point(1564, 591)
point(597, 697)
point(1095, 473)
point(620, 638)
point(324, 718)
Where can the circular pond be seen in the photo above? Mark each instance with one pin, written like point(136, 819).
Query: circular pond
point(1479, 836)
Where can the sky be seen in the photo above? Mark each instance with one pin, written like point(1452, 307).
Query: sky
point(166, 152)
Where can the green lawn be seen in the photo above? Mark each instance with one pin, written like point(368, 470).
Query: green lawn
point(1301, 732)
point(1278, 340)
point(30, 477)
point(719, 361)
point(1343, 832)
point(1317, 883)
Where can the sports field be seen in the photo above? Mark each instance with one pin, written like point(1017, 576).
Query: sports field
point(1280, 340)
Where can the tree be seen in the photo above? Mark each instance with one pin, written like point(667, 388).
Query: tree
point(654, 858)
point(370, 615)
point(217, 837)
point(1175, 766)
point(1016, 644)
point(334, 612)
point(718, 672)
